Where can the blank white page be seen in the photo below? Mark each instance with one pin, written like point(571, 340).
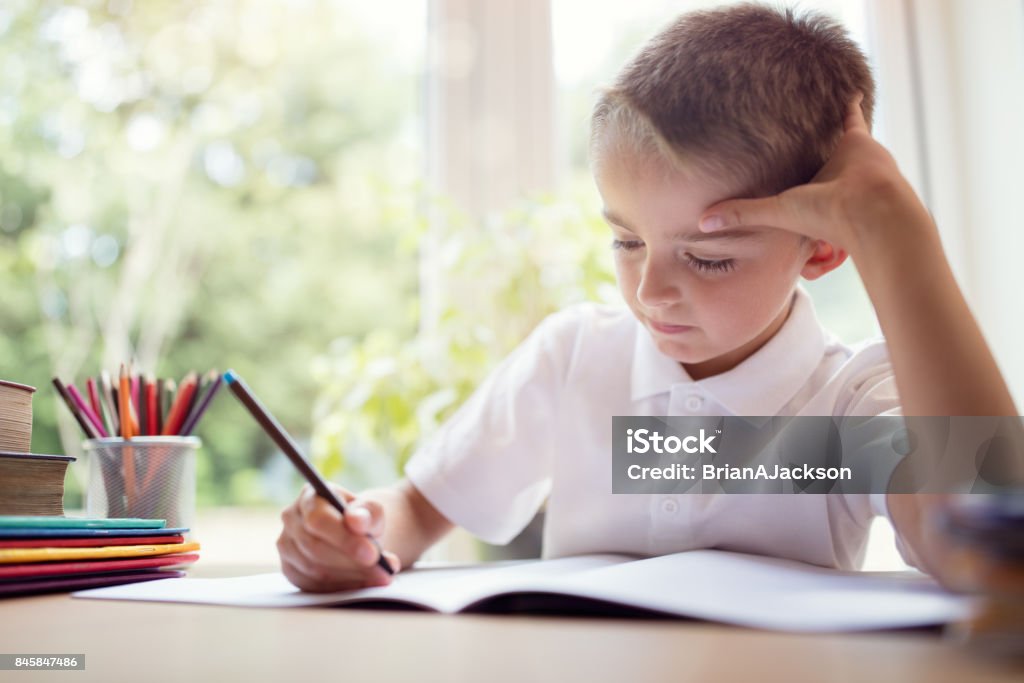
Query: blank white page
point(765, 592)
point(441, 588)
point(734, 588)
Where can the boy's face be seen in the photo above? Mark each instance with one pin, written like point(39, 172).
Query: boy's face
point(708, 300)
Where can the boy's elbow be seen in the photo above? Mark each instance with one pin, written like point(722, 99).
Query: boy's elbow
point(921, 543)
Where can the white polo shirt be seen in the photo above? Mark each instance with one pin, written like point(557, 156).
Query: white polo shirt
point(540, 429)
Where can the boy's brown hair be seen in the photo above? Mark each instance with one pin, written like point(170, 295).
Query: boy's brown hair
point(745, 91)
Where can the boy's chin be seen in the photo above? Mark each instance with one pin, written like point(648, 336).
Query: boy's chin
point(681, 352)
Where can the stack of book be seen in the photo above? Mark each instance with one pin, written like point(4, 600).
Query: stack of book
point(41, 550)
point(30, 484)
point(43, 554)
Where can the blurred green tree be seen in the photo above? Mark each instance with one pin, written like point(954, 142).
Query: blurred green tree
point(196, 185)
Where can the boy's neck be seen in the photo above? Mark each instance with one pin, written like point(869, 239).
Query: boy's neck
point(727, 361)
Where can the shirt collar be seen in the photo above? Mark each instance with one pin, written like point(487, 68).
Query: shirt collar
point(760, 385)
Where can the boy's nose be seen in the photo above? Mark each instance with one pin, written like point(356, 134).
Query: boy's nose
point(657, 286)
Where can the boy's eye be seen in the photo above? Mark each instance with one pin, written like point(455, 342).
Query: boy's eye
point(702, 265)
point(707, 266)
point(627, 245)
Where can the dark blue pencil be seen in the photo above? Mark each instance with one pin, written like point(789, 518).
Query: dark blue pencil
point(291, 449)
point(200, 407)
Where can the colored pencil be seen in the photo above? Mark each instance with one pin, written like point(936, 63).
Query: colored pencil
point(109, 400)
point(204, 383)
point(108, 421)
point(84, 408)
point(125, 396)
point(80, 419)
point(152, 415)
point(201, 407)
point(167, 389)
point(94, 397)
point(127, 429)
point(291, 449)
point(139, 404)
point(181, 404)
point(134, 383)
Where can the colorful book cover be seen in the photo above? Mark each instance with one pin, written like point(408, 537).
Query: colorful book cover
point(36, 569)
point(89, 542)
point(61, 583)
point(14, 555)
point(88, 533)
point(44, 522)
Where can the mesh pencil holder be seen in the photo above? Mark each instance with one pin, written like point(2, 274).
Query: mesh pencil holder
point(153, 477)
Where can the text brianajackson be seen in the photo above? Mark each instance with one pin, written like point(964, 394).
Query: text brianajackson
point(714, 473)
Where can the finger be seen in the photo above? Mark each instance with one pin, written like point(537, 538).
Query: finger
point(291, 555)
point(291, 516)
point(771, 211)
point(314, 567)
point(309, 494)
point(321, 516)
point(346, 551)
point(316, 584)
point(396, 564)
point(323, 532)
point(854, 119)
point(344, 494)
point(379, 577)
point(296, 576)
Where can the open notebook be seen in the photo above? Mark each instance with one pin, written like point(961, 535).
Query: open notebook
point(713, 585)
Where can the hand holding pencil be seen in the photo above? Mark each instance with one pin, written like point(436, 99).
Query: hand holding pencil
point(326, 545)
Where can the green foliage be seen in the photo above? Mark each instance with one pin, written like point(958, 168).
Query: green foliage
point(382, 396)
point(199, 185)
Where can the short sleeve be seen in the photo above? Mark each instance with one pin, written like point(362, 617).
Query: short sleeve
point(872, 391)
point(488, 468)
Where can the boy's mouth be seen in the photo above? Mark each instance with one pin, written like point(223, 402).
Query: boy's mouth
point(666, 328)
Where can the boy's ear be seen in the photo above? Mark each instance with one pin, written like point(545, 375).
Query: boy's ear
point(823, 259)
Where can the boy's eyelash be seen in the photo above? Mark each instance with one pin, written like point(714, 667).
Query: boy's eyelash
point(703, 265)
point(627, 245)
point(723, 266)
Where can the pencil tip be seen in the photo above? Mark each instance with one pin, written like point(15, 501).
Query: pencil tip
point(230, 376)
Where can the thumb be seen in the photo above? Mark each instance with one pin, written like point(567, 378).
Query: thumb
point(735, 213)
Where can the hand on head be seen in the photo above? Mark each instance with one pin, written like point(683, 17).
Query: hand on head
point(859, 187)
point(321, 550)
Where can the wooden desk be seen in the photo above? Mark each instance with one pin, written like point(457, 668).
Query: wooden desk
point(167, 642)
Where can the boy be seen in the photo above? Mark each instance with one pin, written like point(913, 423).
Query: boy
point(741, 102)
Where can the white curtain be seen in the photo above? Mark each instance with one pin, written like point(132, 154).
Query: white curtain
point(951, 76)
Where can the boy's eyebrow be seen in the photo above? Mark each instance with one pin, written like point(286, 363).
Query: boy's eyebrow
point(721, 235)
point(696, 236)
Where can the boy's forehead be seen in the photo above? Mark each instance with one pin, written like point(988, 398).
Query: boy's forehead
point(622, 172)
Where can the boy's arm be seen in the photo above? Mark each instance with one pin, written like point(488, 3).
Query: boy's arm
point(860, 203)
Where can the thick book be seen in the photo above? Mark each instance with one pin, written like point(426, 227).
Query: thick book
point(711, 585)
point(69, 583)
point(13, 555)
point(32, 484)
point(39, 569)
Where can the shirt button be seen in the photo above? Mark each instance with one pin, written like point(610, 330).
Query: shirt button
point(694, 403)
point(669, 506)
